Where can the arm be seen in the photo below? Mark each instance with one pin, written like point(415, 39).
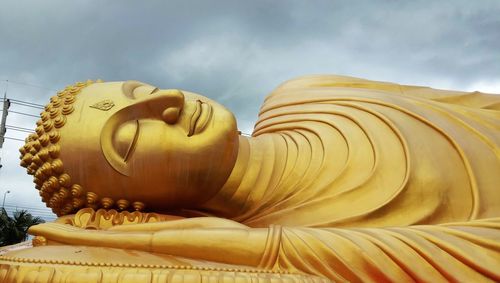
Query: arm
point(206, 238)
point(468, 251)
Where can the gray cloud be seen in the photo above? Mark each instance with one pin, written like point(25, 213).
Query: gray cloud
point(238, 51)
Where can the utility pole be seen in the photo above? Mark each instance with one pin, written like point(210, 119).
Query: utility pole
point(6, 105)
point(3, 202)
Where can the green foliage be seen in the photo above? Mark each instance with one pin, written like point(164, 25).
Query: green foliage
point(15, 229)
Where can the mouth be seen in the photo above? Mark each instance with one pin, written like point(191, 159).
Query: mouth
point(200, 118)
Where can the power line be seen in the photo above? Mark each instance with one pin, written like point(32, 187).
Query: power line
point(14, 209)
point(25, 204)
point(44, 217)
point(34, 213)
point(47, 218)
point(27, 129)
point(15, 139)
point(22, 113)
point(5, 111)
point(25, 103)
point(20, 128)
point(28, 84)
point(25, 114)
point(28, 208)
point(11, 210)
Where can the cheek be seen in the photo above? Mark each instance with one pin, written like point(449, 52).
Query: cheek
point(166, 151)
point(157, 138)
point(223, 123)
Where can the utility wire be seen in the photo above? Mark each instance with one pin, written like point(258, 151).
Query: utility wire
point(24, 205)
point(34, 213)
point(21, 113)
point(30, 211)
point(46, 214)
point(43, 216)
point(28, 84)
point(19, 130)
point(15, 139)
point(25, 103)
point(47, 218)
point(25, 114)
point(28, 208)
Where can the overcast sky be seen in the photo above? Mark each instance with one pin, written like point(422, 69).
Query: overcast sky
point(235, 52)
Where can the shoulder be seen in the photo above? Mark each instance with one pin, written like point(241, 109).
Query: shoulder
point(305, 88)
point(314, 88)
point(332, 81)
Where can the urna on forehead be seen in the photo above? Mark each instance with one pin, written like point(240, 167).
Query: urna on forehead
point(40, 155)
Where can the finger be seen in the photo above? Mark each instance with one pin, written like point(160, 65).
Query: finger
point(49, 228)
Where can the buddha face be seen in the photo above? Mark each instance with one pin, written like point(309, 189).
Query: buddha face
point(135, 142)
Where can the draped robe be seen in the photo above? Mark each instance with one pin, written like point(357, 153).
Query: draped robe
point(401, 182)
point(369, 154)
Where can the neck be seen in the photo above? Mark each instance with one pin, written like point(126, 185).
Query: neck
point(258, 168)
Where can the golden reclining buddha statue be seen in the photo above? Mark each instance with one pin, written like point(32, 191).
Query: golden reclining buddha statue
point(342, 180)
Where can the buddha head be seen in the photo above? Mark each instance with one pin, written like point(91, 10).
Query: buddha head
point(129, 145)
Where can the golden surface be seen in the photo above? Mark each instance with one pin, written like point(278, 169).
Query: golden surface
point(342, 179)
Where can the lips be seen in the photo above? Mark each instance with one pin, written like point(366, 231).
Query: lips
point(200, 118)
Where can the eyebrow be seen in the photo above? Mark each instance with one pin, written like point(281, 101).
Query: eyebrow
point(128, 88)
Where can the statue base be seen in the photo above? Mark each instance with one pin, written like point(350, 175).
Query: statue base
point(63, 263)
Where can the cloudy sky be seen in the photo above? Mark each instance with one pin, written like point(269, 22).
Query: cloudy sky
point(235, 51)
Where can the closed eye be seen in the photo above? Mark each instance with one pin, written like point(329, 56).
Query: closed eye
point(133, 143)
point(125, 139)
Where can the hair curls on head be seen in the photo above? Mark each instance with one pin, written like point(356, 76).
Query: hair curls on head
point(40, 156)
